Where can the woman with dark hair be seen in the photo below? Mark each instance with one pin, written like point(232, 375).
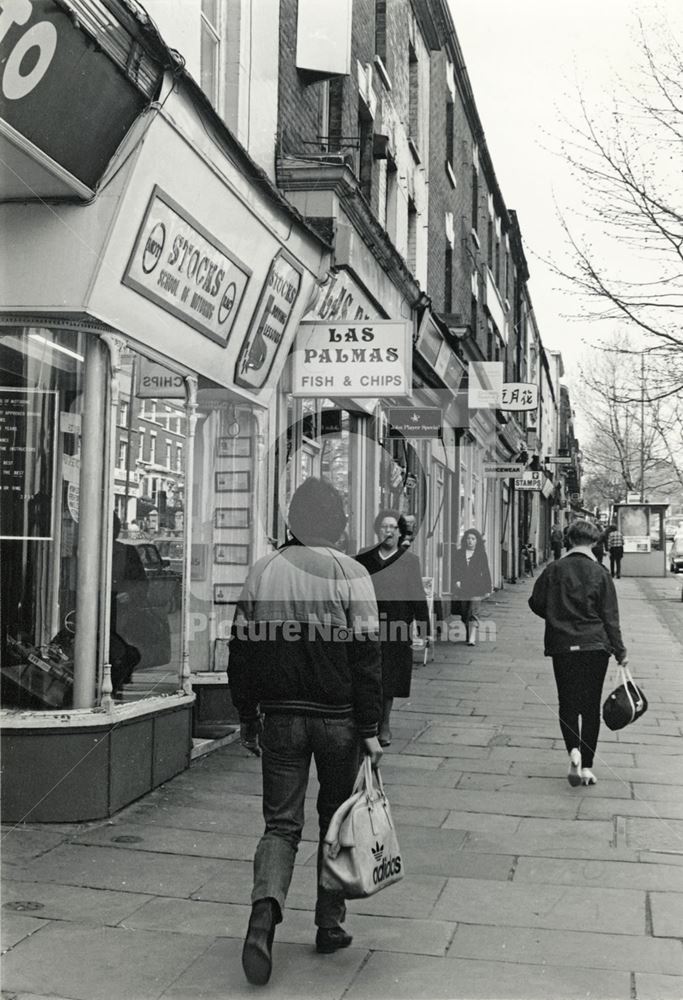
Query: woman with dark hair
point(576, 597)
point(472, 580)
point(401, 600)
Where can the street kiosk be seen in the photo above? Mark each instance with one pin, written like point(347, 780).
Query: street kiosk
point(642, 525)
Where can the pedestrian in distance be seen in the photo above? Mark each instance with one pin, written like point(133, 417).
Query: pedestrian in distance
point(472, 580)
point(615, 547)
point(401, 601)
point(304, 675)
point(576, 597)
point(556, 540)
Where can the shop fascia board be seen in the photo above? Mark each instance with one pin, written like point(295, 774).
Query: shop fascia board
point(235, 222)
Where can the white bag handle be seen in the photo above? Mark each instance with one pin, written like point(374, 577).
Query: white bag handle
point(626, 676)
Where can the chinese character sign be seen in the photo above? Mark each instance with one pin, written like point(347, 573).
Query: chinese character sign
point(520, 396)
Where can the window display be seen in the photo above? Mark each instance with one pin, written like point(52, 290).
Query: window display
point(42, 385)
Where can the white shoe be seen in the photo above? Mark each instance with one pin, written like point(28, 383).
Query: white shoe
point(587, 777)
point(472, 641)
point(574, 772)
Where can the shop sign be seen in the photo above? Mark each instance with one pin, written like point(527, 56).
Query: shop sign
point(342, 299)
point(520, 396)
point(411, 421)
point(156, 381)
point(530, 481)
point(496, 470)
point(28, 425)
point(366, 359)
point(485, 385)
point(183, 268)
point(61, 97)
point(271, 316)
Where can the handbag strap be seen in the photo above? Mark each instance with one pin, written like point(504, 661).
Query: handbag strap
point(627, 679)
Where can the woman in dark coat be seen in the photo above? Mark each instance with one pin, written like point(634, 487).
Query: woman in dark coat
point(577, 599)
point(472, 580)
point(397, 579)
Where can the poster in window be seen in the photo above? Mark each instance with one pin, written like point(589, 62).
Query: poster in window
point(226, 593)
point(234, 447)
point(231, 554)
point(28, 426)
point(233, 482)
point(232, 517)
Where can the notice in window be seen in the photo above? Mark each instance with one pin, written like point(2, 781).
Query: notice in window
point(27, 462)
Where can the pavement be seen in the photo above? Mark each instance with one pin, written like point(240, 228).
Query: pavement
point(517, 885)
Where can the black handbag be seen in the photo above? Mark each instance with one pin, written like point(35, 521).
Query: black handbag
point(625, 704)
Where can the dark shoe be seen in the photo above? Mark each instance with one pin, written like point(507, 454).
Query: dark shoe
point(257, 960)
point(329, 939)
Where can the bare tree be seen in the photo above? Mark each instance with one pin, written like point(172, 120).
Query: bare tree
point(626, 242)
point(630, 446)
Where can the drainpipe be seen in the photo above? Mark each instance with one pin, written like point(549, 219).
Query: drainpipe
point(89, 521)
point(191, 410)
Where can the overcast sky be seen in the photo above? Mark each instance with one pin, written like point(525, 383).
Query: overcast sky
point(527, 61)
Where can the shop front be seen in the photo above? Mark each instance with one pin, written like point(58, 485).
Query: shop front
point(144, 335)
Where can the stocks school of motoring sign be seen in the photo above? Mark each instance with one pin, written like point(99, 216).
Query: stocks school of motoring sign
point(183, 268)
point(368, 358)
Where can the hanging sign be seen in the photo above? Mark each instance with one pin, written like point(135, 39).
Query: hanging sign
point(183, 268)
point(371, 358)
point(530, 481)
point(156, 381)
point(415, 421)
point(267, 328)
point(497, 470)
point(485, 385)
point(520, 396)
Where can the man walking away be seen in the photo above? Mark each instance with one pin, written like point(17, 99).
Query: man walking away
point(305, 653)
point(615, 545)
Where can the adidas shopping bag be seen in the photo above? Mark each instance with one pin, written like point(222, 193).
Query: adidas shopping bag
point(360, 851)
point(625, 704)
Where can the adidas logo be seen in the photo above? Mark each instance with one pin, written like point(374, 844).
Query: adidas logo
point(377, 850)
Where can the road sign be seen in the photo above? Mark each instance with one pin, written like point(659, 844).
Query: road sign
point(559, 460)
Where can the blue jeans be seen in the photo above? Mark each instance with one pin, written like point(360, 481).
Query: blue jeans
point(288, 743)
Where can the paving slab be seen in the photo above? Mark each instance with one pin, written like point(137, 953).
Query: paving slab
point(656, 834)
point(588, 950)
point(667, 914)
point(657, 987)
point(405, 977)
point(69, 902)
point(299, 973)
point(127, 871)
point(540, 836)
point(17, 926)
point(557, 785)
point(611, 874)
point(620, 911)
point(20, 843)
point(594, 807)
point(99, 963)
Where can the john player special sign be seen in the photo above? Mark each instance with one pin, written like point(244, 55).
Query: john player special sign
point(184, 269)
point(368, 358)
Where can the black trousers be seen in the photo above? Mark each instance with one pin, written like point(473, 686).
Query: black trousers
point(615, 556)
point(579, 678)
